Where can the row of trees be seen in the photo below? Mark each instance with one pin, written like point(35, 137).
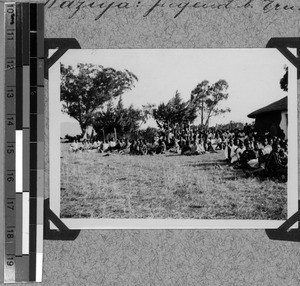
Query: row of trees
point(204, 102)
point(88, 93)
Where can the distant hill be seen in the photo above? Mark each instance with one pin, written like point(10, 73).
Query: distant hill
point(70, 128)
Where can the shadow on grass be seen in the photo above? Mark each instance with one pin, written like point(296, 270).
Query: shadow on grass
point(200, 155)
point(213, 164)
point(231, 178)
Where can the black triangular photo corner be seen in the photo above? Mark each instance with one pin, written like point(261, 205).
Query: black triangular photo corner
point(62, 232)
point(62, 45)
point(284, 233)
point(283, 44)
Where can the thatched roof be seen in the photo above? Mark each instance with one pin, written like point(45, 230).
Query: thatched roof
point(280, 105)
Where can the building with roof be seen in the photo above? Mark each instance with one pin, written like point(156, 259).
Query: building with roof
point(272, 119)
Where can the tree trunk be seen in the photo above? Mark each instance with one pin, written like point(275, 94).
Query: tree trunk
point(103, 133)
point(202, 108)
point(83, 128)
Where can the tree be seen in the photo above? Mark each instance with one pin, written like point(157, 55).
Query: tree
point(176, 111)
point(86, 88)
point(147, 134)
point(284, 80)
point(117, 118)
point(206, 98)
point(132, 121)
point(104, 121)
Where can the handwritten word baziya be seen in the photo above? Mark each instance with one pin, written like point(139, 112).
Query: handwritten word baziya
point(74, 6)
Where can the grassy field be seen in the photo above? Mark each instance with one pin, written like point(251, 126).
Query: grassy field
point(164, 186)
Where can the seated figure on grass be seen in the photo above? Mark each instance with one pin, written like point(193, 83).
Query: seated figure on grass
point(265, 150)
point(186, 149)
point(211, 146)
point(245, 157)
point(100, 146)
point(190, 148)
point(77, 146)
point(275, 166)
point(74, 147)
point(229, 150)
point(138, 147)
point(175, 147)
point(236, 154)
point(254, 163)
point(86, 145)
point(161, 148)
point(276, 163)
point(112, 144)
point(105, 147)
point(95, 144)
point(151, 147)
point(219, 143)
point(200, 147)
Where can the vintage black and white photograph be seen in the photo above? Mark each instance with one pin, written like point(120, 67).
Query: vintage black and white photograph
point(173, 135)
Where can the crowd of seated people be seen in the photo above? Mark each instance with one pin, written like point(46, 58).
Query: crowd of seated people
point(85, 145)
point(243, 148)
point(266, 157)
point(98, 145)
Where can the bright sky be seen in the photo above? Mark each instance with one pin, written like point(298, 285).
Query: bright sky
point(253, 75)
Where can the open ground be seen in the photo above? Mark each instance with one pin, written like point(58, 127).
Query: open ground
point(165, 186)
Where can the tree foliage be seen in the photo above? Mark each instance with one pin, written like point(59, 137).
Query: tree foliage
point(284, 80)
point(86, 88)
point(147, 134)
point(176, 111)
point(206, 98)
point(123, 120)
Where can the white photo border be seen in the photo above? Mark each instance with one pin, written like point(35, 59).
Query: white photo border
point(87, 223)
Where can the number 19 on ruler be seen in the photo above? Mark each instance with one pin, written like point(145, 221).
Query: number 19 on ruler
point(23, 24)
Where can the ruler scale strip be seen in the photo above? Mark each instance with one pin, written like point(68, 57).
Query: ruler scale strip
point(41, 145)
point(19, 144)
point(21, 200)
point(24, 141)
point(10, 124)
point(37, 136)
point(25, 128)
point(33, 71)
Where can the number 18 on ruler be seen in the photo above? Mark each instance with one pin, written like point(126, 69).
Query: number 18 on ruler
point(23, 200)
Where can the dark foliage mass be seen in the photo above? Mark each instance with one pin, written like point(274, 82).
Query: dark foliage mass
point(88, 87)
point(147, 134)
point(117, 119)
point(284, 82)
point(176, 111)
